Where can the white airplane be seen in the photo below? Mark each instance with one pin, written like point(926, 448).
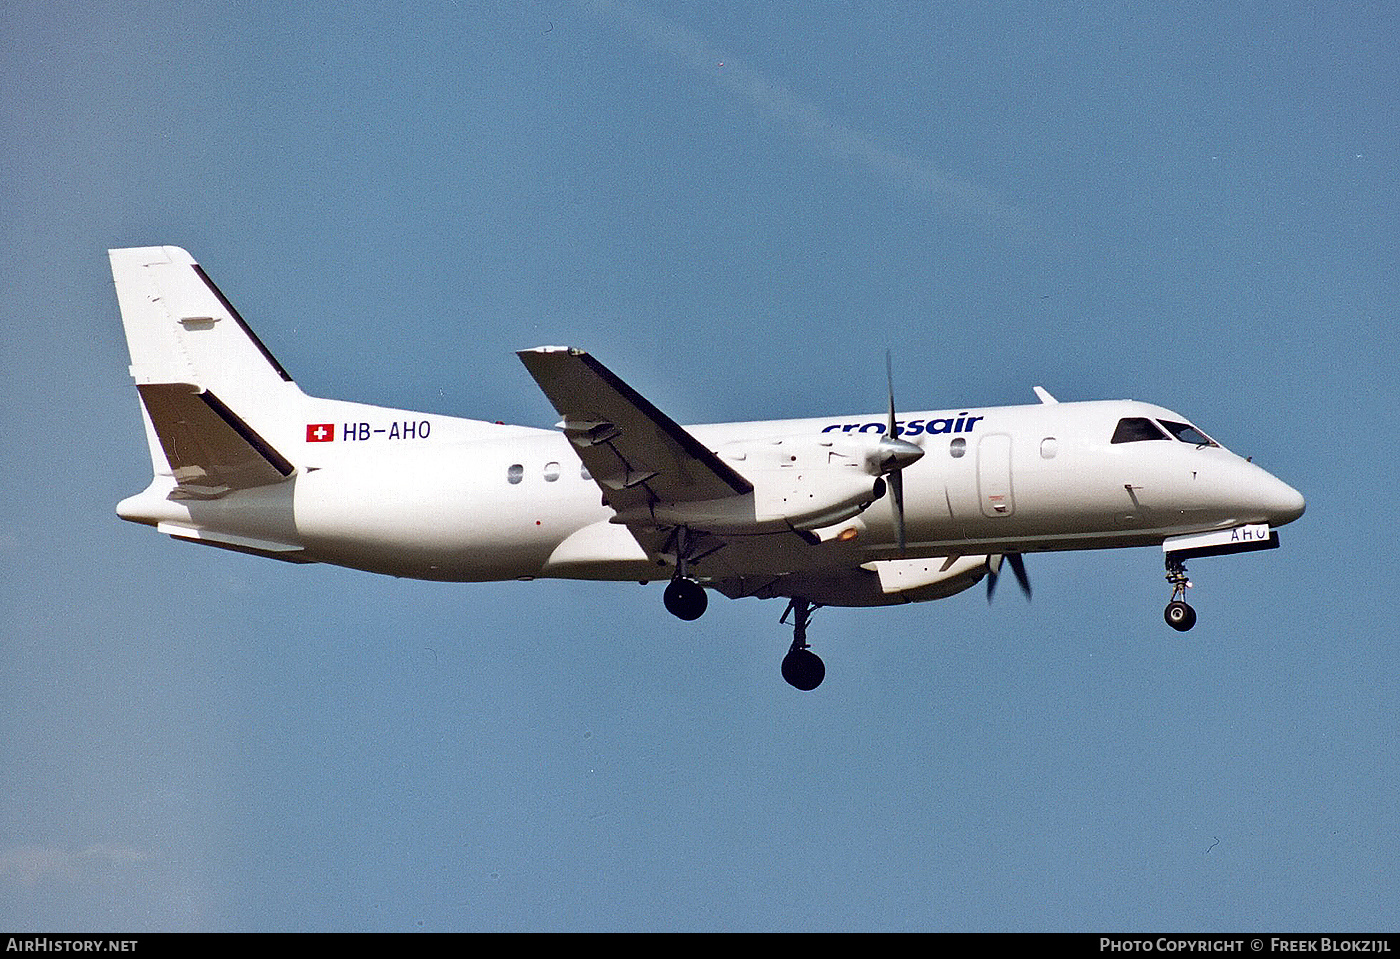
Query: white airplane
point(832, 511)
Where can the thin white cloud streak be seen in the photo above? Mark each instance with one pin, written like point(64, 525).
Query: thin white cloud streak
point(803, 118)
point(30, 865)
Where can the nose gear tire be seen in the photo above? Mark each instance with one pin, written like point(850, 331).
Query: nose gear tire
point(1179, 616)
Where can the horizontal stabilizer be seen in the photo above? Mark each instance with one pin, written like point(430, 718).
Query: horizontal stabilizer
point(210, 449)
point(286, 552)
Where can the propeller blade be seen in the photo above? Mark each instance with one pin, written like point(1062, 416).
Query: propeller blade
point(895, 454)
point(1018, 566)
point(896, 482)
point(889, 382)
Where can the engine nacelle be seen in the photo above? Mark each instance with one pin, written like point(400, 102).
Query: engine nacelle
point(804, 503)
point(800, 483)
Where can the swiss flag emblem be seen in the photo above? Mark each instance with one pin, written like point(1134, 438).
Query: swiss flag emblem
point(320, 432)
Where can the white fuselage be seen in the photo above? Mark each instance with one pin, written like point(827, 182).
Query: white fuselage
point(435, 497)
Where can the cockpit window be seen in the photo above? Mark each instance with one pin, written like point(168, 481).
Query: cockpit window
point(1188, 433)
point(1134, 429)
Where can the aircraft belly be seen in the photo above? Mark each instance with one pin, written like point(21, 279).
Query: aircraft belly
point(840, 587)
point(602, 550)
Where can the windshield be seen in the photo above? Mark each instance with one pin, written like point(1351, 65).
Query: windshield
point(1134, 429)
point(1188, 433)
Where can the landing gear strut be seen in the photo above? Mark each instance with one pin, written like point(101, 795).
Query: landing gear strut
point(802, 668)
point(1178, 614)
point(684, 597)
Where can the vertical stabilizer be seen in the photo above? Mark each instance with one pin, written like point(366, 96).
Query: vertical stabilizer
point(181, 329)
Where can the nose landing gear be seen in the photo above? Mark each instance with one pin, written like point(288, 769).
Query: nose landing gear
point(1178, 614)
point(802, 668)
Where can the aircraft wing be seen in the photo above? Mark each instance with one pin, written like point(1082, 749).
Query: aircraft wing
point(637, 454)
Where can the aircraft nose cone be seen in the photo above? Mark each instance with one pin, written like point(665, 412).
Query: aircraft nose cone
point(1281, 502)
point(1290, 505)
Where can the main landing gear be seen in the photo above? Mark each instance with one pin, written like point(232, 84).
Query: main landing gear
point(1178, 614)
point(684, 597)
point(802, 668)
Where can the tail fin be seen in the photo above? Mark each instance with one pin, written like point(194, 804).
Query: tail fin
point(216, 401)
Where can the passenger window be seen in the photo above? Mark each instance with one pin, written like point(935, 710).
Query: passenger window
point(551, 472)
point(515, 474)
point(1188, 433)
point(1134, 429)
point(957, 448)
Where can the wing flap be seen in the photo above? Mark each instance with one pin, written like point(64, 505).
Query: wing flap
point(636, 454)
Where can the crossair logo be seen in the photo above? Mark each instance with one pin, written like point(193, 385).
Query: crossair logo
point(962, 423)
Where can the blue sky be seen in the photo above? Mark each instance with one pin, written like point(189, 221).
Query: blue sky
point(738, 208)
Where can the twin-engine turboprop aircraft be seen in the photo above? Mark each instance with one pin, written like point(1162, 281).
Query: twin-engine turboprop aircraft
point(832, 511)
